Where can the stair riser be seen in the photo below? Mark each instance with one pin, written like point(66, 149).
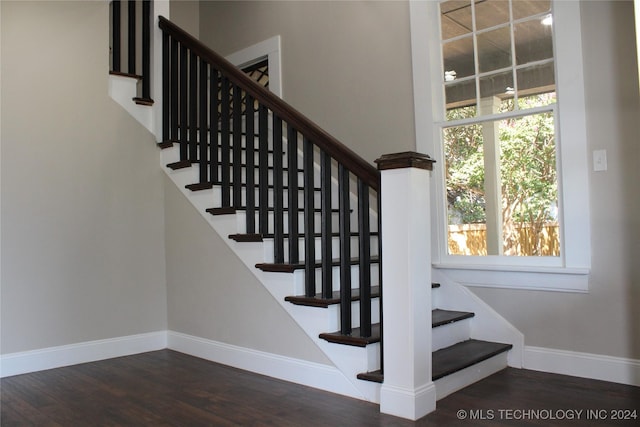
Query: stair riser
point(285, 198)
point(450, 334)
point(241, 220)
point(461, 379)
point(217, 199)
point(334, 314)
point(335, 248)
point(285, 176)
point(300, 280)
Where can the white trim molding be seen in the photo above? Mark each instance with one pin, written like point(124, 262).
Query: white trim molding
point(269, 49)
point(311, 374)
point(90, 351)
point(586, 365)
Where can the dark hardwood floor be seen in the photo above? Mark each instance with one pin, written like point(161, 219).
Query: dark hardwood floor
point(166, 388)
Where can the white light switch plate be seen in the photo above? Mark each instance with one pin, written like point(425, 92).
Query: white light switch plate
point(599, 160)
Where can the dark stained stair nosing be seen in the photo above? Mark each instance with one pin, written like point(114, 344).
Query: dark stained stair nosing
point(354, 339)
point(208, 185)
point(143, 101)
point(221, 211)
point(244, 238)
point(179, 165)
point(290, 268)
point(165, 144)
point(232, 210)
point(373, 376)
point(319, 301)
point(261, 237)
point(444, 317)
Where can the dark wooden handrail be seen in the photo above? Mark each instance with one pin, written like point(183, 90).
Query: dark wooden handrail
point(349, 159)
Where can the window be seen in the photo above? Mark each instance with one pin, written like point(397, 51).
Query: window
point(499, 128)
point(499, 103)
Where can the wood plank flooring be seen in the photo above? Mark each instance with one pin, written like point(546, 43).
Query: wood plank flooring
point(166, 388)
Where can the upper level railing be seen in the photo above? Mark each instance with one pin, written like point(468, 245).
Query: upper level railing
point(278, 167)
point(130, 34)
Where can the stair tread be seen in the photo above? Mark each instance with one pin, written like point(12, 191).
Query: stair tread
point(373, 376)
point(290, 268)
point(208, 185)
point(441, 317)
point(179, 165)
point(319, 301)
point(260, 237)
point(354, 339)
point(231, 210)
point(452, 359)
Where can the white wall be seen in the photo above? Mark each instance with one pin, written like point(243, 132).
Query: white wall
point(212, 295)
point(347, 65)
point(186, 14)
point(606, 320)
point(82, 193)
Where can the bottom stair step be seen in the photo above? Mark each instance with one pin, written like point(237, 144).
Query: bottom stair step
point(453, 359)
point(464, 354)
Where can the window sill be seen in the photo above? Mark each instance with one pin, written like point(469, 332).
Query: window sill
point(556, 279)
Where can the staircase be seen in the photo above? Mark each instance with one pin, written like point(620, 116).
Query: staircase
point(301, 211)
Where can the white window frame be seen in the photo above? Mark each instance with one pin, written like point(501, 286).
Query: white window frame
point(568, 272)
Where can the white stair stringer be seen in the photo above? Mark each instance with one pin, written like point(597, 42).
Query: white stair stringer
point(349, 360)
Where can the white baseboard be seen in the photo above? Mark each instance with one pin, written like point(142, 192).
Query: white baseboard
point(56, 357)
point(585, 365)
point(323, 377)
point(409, 404)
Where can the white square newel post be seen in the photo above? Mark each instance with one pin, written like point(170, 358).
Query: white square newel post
point(407, 390)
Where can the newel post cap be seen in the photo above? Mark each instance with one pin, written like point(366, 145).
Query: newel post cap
point(406, 159)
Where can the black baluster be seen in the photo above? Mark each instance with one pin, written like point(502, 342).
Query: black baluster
point(263, 171)
point(146, 49)
point(278, 209)
point(292, 174)
point(184, 106)
point(115, 35)
point(166, 87)
point(193, 108)
point(175, 98)
point(224, 143)
point(131, 36)
point(345, 250)
point(325, 225)
point(214, 101)
point(250, 153)
point(204, 142)
point(309, 220)
point(237, 146)
point(364, 254)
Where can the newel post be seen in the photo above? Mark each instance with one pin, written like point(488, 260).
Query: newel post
point(408, 390)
